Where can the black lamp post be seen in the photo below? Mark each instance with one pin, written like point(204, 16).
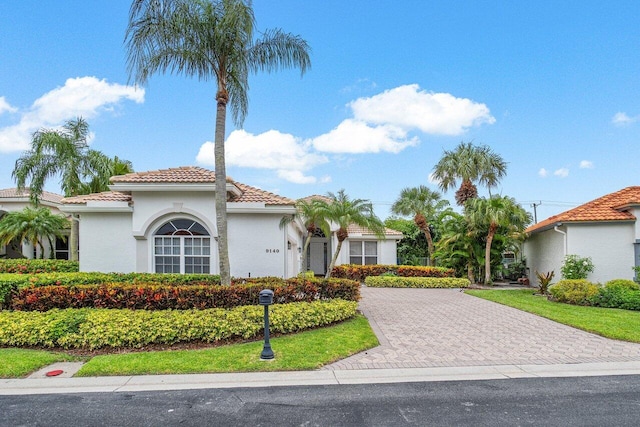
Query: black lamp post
point(266, 299)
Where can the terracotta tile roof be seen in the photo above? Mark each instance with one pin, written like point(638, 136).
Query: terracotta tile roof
point(105, 196)
point(606, 208)
point(13, 193)
point(353, 228)
point(255, 195)
point(317, 197)
point(172, 175)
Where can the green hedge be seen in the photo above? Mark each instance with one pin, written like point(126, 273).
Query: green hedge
point(361, 272)
point(415, 282)
point(100, 328)
point(31, 266)
point(574, 291)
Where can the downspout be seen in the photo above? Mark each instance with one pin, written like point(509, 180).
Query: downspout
point(564, 238)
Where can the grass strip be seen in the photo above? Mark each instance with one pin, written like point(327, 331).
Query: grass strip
point(612, 323)
point(302, 351)
point(19, 362)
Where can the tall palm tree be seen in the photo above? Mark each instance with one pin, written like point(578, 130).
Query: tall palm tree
point(65, 153)
point(312, 214)
point(469, 163)
point(423, 204)
point(32, 226)
point(495, 213)
point(343, 211)
point(210, 40)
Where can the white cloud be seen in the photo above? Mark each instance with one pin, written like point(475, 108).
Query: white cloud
point(284, 153)
point(622, 119)
point(355, 136)
point(82, 96)
point(410, 108)
point(586, 164)
point(5, 107)
point(562, 172)
point(543, 172)
point(381, 123)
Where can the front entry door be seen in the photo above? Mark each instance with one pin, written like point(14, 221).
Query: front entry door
point(318, 256)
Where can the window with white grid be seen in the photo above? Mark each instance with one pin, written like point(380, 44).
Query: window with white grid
point(182, 246)
point(363, 252)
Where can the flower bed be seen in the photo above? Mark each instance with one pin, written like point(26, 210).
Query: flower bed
point(99, 328)
point(361, 272)
point(415, 282)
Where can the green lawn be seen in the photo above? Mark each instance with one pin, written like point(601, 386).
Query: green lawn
point(609, 322)
point(18, 362)
point(303, 351)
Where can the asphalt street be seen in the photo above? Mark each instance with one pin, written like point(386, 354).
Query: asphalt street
point(575, 401)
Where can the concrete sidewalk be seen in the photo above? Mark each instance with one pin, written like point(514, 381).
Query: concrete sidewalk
point(304, 378)
point(425, 335)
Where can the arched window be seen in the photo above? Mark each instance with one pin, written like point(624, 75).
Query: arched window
point(182, 246)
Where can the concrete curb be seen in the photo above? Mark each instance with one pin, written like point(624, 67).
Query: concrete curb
point(305, 378)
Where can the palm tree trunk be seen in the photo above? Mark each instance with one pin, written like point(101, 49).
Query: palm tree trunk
point(432, 258)
point(73, 237)
point(487, 255)
point(333, 259)
point(221, 188)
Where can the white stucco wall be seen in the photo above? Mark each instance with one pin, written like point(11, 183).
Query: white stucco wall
point(106, 242)
point(257, 245)
point(610, 246)
point(544, 252)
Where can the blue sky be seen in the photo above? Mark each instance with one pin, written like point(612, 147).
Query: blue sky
point(553, 87)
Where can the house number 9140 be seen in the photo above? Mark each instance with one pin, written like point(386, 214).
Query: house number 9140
point(273, 251)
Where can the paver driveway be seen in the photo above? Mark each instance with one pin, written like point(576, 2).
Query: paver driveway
point(420, 328)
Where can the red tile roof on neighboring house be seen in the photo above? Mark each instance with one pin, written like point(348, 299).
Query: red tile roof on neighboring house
point(13, 193)
point(184, 174)
point(105, 196)
point(611, 207)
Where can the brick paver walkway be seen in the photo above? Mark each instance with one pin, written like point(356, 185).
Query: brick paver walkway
point(420, 328)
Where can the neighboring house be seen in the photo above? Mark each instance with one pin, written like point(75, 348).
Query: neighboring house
point(605, 229)
point(13, 200)
point(164, 221)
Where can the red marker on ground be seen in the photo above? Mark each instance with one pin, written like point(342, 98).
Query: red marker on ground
point(54, 373)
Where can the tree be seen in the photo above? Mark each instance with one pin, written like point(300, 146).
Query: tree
point(32, 226)
point(63, 152)
point(210, 40)
point(423, 204)
point(494, 213)
point(459, 246)
point(469, 163)
point(109, 167)
point(311, 212)
point(343, 211)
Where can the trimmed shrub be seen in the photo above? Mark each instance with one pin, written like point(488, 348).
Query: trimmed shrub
point(99, 328)
point(415, 282)
point(361, 272)
point(31, 266)
point(623, 284)
point(154, 296)
point(574, 291)
point(618, 293)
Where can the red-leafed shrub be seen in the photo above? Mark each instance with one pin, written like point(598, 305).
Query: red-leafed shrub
point(154, 296)
point(361, 272)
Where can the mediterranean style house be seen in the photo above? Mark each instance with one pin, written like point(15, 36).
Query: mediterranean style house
point(606, 229)
point(11, 199)
point(164, 221)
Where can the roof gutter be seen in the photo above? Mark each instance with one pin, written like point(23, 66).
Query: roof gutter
point(564, 234)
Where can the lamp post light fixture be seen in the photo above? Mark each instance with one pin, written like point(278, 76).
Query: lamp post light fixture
point(265, 299)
